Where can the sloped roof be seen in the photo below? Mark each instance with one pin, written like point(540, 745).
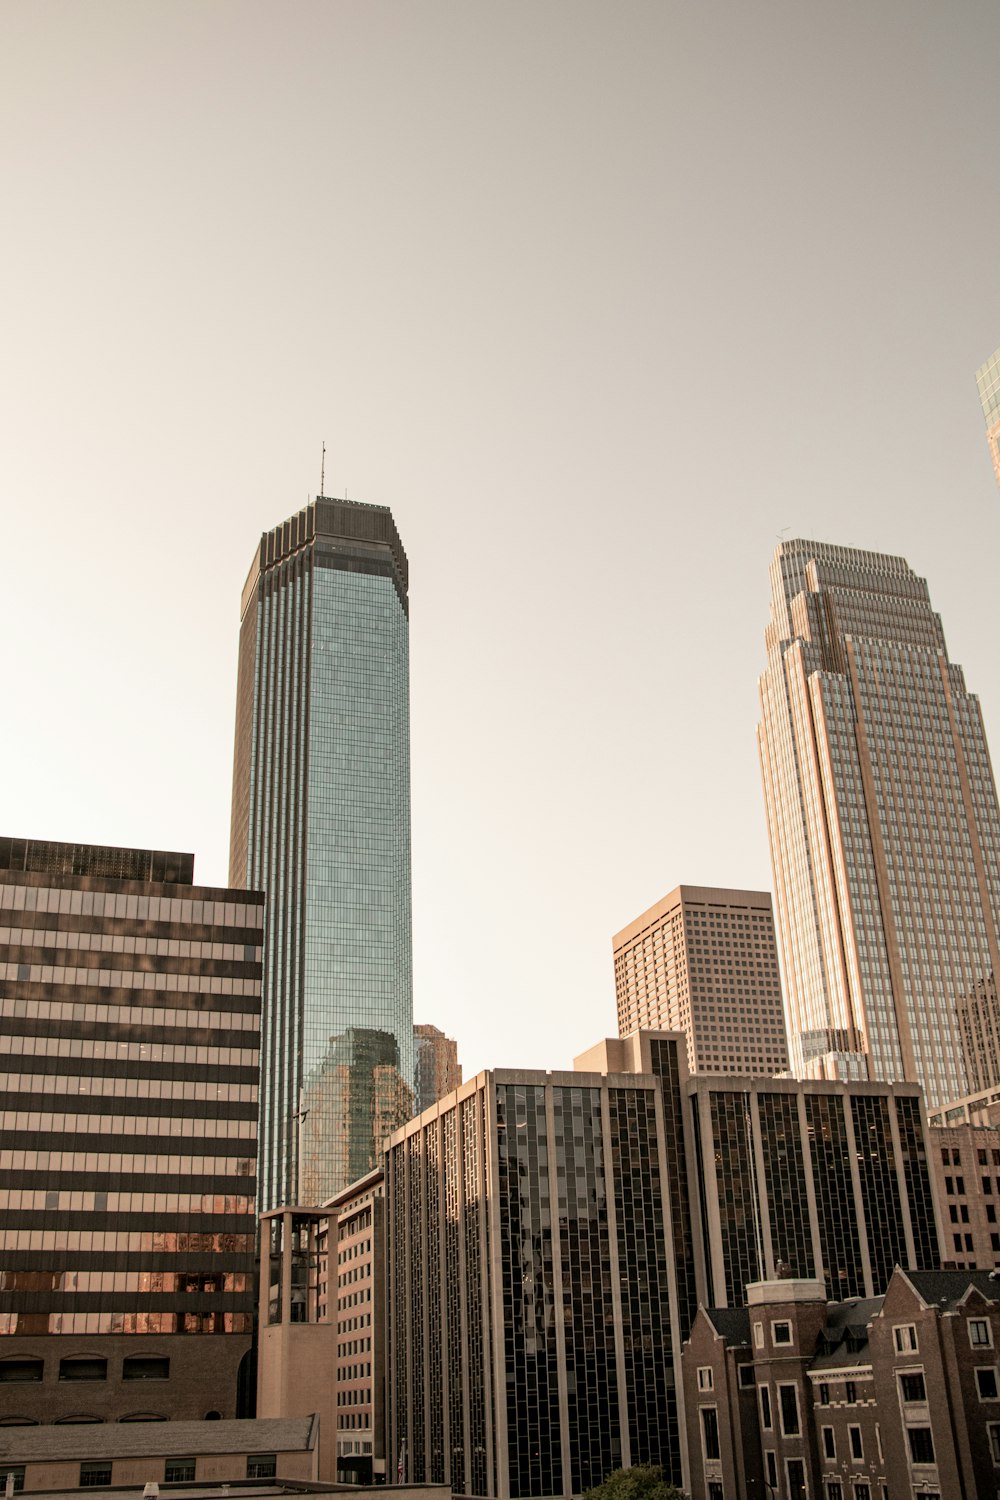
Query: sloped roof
point(156, 1439)
point(733, 1323)
point(947, 1288)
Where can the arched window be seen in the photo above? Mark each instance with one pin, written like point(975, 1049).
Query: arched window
point(146, 1367)
point(143, 1416)
point(21, 1369)
point(83, 1367)
point(76, 1421)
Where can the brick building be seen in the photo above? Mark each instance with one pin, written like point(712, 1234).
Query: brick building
point(879, 1399)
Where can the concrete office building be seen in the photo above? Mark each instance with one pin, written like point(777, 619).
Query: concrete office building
point(533, 1309)
point(321, 824)
point(438, 1070)
point(322, 1347)
point(883, 821)
point(890, 1398)
point(988, 381)
point(704, 961)
point(129, 1016)
point(813, 1179)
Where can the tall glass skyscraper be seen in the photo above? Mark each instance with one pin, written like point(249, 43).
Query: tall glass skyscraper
point(321, 824)
point(883, 822)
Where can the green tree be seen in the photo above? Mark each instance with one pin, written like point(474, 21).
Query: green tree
point(644, 1482)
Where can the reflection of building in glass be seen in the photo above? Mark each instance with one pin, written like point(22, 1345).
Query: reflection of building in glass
point(883, 820)
point(988, 381)
point(350, 1103)
point(129, 1026)
point(438, 1069)
point(703, 961)
point(321, 819)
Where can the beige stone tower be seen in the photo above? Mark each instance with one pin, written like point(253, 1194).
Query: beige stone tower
point(703, 961)
point(988, 380)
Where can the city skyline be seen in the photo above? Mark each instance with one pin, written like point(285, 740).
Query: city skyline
point(719, 276)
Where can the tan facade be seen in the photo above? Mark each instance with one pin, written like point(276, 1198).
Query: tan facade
point(882, 818)
point(965, 1160)
point(438, 1069)
point(704, 961)
point(988, 380)
point(321, 1346)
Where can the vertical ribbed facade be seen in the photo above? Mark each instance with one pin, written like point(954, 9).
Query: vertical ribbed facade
point(817, 1180)
point(321, 823)
point(882, 818)
point(532, 1301)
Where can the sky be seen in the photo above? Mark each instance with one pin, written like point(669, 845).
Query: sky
point(602, 300)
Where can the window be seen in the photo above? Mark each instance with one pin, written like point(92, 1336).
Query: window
point(993, 1432)
point(862, 1490)
point(21, 1369)
point(781, 1333)
point(179, 1471)
point(789, 1402)
point(834, 1490)
point(857, 1446)
point(824, 1394)
point(706, 1380)
point(771, 1465)
point(850, 1392)
point(980, 1334)
point(921, 1445)
point(18, 1472)
point(758, 1335)
point(912, 1386)
point(765, 1408)
point(83, 1367)
point(146, 1367)
point(905, 1338)
point(746, 1377)
point(986, 1383)
point(97, 1473)
point(710, 1432)
point(262, 1466)
point(715, 1490)
point(829, 1443)
point(796, 1471)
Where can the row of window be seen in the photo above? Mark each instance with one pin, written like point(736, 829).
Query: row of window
point(19, 1370)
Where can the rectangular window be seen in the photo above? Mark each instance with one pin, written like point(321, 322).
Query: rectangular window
point(18, 1472)
point(781, 1333)
point(715, 1490)
point(788, 1399)
point(758, 1335)
point(746, 1377)
point(796, 1471)
point(834, 1490)
point(765, 1408)
point(905, 1338)
point(94, 1474)
point(706, 1380)
point(912, 1386)
point(986, 1383)
point(921, 1445)
point(829, 1443)
point(179, 1471)
point(771, 1465)
point(862, 1490)
point(857, 1446)
point(850, 1392)
point(993, 1432)
point(980, 1333)
point(824, 1394)
point(710, 1432)
point(262, 1466)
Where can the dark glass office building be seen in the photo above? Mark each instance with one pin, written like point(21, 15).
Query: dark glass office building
point(321, 824)
point(534, 1316)
point(129, 1023)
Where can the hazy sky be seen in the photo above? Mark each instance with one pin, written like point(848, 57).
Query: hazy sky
point(599, 298)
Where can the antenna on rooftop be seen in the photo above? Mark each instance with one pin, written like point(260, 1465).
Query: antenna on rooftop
point(322, 472)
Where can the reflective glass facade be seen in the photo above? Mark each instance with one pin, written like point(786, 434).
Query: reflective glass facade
point(883, 823)
point(321, 823)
